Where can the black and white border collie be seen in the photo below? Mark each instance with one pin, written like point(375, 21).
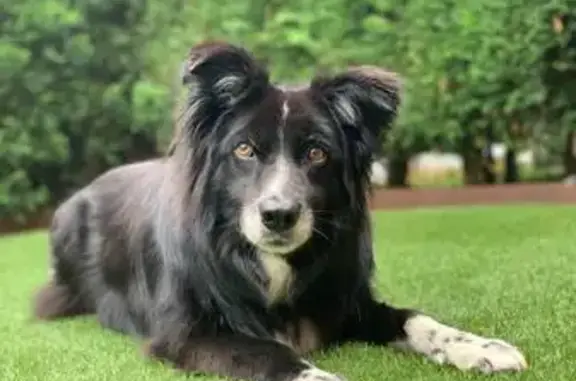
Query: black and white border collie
point(249, 244)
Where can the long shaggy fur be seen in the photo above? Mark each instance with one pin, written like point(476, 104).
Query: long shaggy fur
point(249, 244)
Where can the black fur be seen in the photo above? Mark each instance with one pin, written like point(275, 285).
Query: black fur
point(155, 249)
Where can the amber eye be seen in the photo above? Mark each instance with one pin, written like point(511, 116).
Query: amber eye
point(317, 156)
point(244, 151)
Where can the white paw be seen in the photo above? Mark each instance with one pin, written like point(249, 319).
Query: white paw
point(470, 352)
point(466, 351)
point(315, 374)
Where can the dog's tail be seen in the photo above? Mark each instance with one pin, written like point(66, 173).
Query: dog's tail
point(54, 301)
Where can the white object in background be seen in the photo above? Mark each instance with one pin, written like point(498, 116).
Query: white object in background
point(378, 174)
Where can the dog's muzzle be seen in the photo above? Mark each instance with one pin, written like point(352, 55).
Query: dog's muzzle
point(277, 226)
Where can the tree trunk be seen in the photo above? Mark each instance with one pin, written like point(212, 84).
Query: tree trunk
point(488, 174)
point(570, 155)
point(473, 173)
point(472, 161)
point(398, 170)
point(511, 172)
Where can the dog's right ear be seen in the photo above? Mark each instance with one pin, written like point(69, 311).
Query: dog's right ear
point(224, 73)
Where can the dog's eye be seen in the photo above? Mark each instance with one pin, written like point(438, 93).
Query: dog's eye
point(244, 151)
point(317, 156)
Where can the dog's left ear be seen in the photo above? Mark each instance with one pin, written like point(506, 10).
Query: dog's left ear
point(364, 100)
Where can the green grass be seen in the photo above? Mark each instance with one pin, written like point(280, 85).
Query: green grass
point(508, 272)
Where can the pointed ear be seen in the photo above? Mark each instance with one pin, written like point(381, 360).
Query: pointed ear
point(364, 100)
point(223, 73)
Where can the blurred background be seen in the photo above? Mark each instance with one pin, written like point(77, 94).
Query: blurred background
point(85, 85)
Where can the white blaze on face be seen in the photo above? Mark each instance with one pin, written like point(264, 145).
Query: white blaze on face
point(285, 112)
point(276, 186)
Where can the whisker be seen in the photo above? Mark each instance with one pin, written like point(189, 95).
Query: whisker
point(331, 222)
point(320, 233)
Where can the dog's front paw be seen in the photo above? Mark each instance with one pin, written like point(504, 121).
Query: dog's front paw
point(447, 345)
point(470, 352)
point(315, 374)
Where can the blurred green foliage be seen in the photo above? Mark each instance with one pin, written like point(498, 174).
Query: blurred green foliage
point(75, 96)
point(89, 84)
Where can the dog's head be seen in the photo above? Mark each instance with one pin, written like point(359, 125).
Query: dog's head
point(278, 163)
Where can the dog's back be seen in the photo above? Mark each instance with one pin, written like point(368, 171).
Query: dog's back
point(99, 236)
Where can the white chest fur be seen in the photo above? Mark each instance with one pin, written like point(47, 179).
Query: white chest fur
point(280, 276)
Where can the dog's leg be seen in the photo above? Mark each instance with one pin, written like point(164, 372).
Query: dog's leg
point(239, 357)
point(379, 323)
point(112, 312)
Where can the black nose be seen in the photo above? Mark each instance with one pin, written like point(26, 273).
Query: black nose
point(280, 220)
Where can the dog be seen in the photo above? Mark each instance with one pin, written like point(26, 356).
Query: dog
point(248, 245)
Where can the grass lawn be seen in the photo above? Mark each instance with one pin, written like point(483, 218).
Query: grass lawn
point(508, 272)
